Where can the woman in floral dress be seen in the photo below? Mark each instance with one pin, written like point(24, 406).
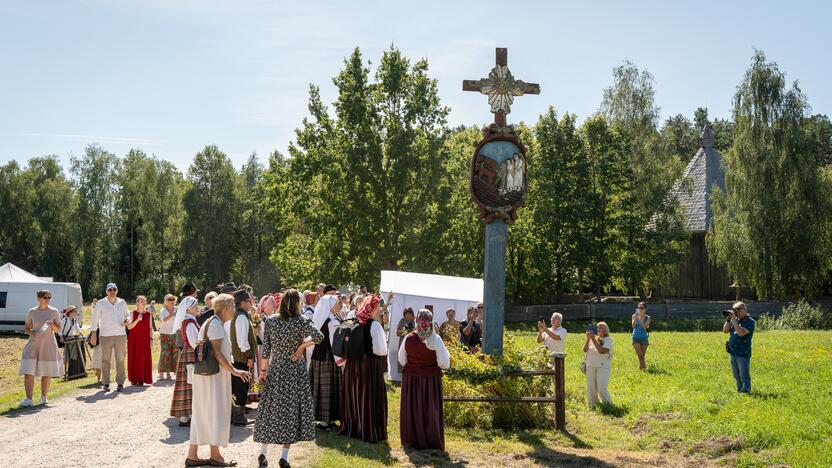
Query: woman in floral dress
point(285, 414)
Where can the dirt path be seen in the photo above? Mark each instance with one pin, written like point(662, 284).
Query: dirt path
point(131, 429)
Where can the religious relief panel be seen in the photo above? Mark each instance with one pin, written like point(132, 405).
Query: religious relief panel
point(498, 174)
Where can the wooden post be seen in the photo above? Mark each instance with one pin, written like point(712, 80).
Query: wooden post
point(494, 281)
point(557, 360)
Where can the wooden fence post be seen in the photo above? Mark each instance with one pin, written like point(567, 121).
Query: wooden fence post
point(556, 362)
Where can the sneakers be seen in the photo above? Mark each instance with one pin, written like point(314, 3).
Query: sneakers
point(120, 388)
point(105, 387)
point(26, 402)
point(44, 400)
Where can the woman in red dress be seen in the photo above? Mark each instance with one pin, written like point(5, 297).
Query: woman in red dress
point(139, 338)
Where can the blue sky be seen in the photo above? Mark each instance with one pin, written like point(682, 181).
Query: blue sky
point(170, 76)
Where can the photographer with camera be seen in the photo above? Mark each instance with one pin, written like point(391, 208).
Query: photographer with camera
point(740, 326)
point(597, 363)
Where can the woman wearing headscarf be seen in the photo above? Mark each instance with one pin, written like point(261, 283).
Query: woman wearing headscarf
point(423, 356)
point(186, 325)
point(324, 376)
point(365, 392)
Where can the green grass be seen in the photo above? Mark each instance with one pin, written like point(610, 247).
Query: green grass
point(11, 384)
point(684, 405)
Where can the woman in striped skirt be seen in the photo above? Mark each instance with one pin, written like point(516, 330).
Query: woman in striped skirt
point(324, 375)
point(186, 325)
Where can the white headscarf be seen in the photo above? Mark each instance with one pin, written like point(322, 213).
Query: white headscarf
point(182, 310)
point(323, 310)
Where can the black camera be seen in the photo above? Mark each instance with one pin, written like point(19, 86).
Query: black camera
point(727, 313)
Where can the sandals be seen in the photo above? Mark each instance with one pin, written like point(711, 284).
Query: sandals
point(212, 462)
point(197, 462)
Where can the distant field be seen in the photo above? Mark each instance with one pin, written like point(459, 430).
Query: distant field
point(684, 408)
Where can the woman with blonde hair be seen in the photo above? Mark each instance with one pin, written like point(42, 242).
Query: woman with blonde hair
point(139, 338)
point(598, 349)
point(212, 393)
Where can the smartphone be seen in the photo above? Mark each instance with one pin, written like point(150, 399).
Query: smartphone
point(592, 328)
point(540, 319)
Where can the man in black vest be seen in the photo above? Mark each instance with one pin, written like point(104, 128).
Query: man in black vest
point(243, 352)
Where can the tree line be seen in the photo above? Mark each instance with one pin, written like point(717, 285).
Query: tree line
point(377, 180)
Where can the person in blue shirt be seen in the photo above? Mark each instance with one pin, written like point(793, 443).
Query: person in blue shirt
point(740, 326)
point(641, 324)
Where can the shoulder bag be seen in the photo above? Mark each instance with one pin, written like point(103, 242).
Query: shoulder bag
point(205, 363)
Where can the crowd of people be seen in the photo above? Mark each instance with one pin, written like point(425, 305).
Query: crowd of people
point(292, 345)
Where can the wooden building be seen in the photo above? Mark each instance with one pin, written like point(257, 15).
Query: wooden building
point(698, 277)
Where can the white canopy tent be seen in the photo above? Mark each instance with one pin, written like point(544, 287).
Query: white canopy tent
point(418, 291)
point(18, 290)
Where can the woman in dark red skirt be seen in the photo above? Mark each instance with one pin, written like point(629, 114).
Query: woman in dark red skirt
point(139, 338)
point(423, 356)
point(365, 392)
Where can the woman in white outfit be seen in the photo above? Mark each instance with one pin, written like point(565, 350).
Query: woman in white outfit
point(210, 422)
point(598, 349)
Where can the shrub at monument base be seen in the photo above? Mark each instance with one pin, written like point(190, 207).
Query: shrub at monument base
point(480, 375)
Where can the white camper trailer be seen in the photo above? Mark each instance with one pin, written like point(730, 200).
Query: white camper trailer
point(18, 289)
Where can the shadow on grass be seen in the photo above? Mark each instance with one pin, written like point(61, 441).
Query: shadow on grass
point(768, 395)
point(611, 409)
point(379, 451)
point(547, 456)
point(431, 458)
point(655, 370)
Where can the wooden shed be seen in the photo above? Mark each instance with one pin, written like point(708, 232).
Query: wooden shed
point(698, 277)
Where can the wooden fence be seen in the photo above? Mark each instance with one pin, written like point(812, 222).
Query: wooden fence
point(623, 311)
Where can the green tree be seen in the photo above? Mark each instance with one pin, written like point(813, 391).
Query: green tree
point(98, 224)
point(212, 217)
point(771, 225)
point(650, 226)
point(374, 170)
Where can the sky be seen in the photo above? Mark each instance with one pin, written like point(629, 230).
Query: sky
point(171, 76)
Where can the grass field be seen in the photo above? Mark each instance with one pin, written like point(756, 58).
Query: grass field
point(684, 408)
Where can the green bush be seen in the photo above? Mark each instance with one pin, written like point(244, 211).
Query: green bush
point(798, 316)
point(480, 375)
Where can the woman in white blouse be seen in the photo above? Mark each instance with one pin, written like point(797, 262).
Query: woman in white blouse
point(423, 356)
point(598, 349)
point(210, 424)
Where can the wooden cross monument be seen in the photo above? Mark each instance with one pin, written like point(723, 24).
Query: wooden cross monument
point(498, 187)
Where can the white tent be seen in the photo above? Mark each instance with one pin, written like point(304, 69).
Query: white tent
point(18, 290)
point(418, 291)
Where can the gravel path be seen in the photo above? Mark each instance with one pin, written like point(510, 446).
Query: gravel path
point(131, 429)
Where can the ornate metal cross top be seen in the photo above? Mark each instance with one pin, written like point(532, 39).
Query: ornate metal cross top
point(501, 88)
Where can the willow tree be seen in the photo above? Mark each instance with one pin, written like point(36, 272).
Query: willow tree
point(771, 225)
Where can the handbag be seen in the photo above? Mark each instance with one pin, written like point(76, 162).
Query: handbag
point(205, 363)
point(89, 338)
point(583, 367)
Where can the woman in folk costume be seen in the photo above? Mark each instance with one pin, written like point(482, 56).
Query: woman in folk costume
point(365, 393)
point(324, 375)
point(285, 415)
point(423, 356)
point(186, 325)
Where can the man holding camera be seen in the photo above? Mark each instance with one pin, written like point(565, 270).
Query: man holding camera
point(740, 325)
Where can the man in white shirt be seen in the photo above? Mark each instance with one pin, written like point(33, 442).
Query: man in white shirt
point(243, 352)
point(554, 336)
point(109, 317)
